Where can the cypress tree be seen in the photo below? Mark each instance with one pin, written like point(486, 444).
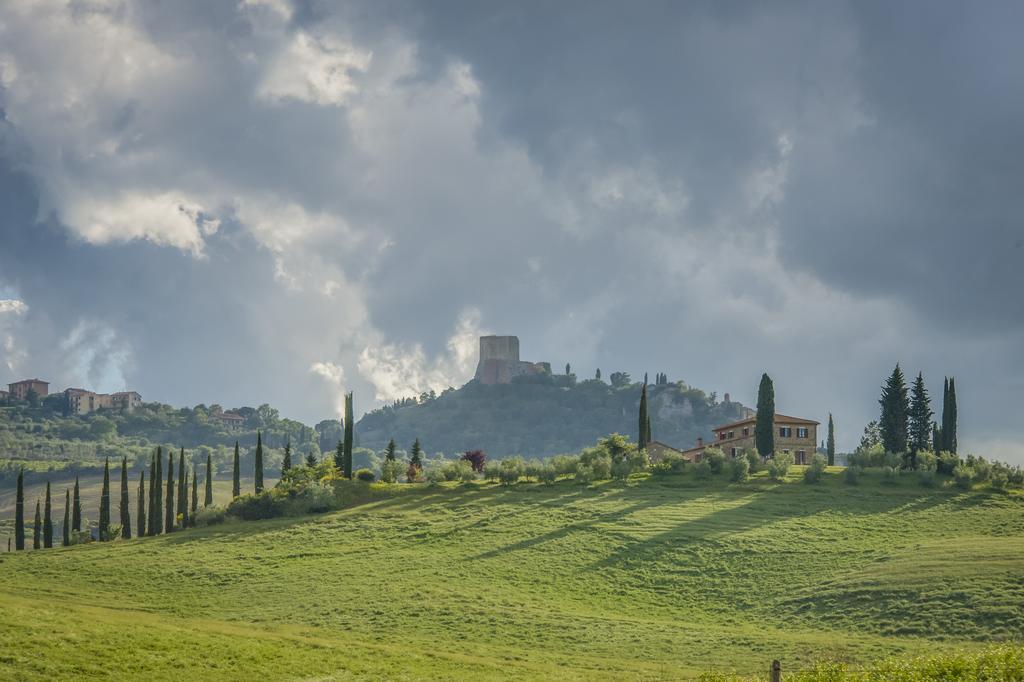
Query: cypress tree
point(104, 529)
point(389, 451)
point(349, 424)
point(920, 419)
point(37, 529)
point(258, 473)
point(66, 528)
point(311, 459)
point(942, 444)
point(339, 456)
point(641, 440)
point(169, 502)
point(208, 499)
point(936, 437)
point(126, 517)
point(415, 454)
point(76, 510)
point(158, 499)
point(286, 463)
point(597, 374)
point(764, 428)
point(182, 504)
point(236, 481)
point(895, 406)
point(150, 518)
point(195, 498)
point(830, 444)
point(949, 427)
point(47, 521)
point(140, 511)
point(19, 513)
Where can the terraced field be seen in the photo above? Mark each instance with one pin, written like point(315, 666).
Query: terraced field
point(662, 578)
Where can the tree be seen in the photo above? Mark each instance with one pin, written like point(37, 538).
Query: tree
point(140, 511)
point(126, 518)
point(169, 502)
point(416, 455)
point(47, 520)
point(764, 427)
point(194, 508)
point(644, 423)
point(208, 498)
point(872, 436)
point(152, 526)
point(920, 419)
point(37, 528)
point(568, 369)
point(258, 463)
point(339, 456)
point(286, 463)
point(895, 406)
point(620, 379)
point(66, 528)
point(476, 459)
point(389, 451)
point(104, 529)
point(597, 374)
point(349, 426)
point(236, 482)
point(76, 510)
point(936, 438)
point(830, 444)
point(19, 513)
point(182, 503)
point(949, 439)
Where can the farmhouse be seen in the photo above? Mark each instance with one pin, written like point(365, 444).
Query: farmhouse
point(231, 420)
point(82, 401)
point(793, 435)
point(20, 389)
point(657, 450)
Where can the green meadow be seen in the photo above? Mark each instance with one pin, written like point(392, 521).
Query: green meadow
point(658, 578)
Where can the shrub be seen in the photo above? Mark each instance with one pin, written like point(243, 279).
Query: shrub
point(435, 475)
point(982, 470)
point(999, 479)
point(565, 465)
point(365, 475)
point(316, 499)
point(779, 465)
point(511, 470)
point(670, 463)
point(926, 461)
point(254, 507)
point(715, 459)
point(413, 473)
point(851, 476)
point(945, 462)
point(812, 474)
point(584, 474)
point(476, 459)
point(621, 469)
point(390, 470)
point(890, 474)
point(532, 469)
point(739, 469)
point(210, 516)
point(926, 477)
point(702, 469)
point(548, 474)
point(1016, 476)
point(963, 476)
point(492, 471)
point(602, 467)
point(754, 463)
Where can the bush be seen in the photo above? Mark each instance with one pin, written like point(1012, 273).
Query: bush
point(435, 475)
point(926, 461)
point(753, 460)
point(548, 474)
point(946, 462)
point(565, 465)
point(533, 469)
point(476, 459)
point(851, 476)
point(255, 507)
point(779, 465)
point(511, 470)
point(702, 469)
point(963, 476)
point(602, 467)
point(210, 516)
point(365, 475)
point(413, 473)
point(739, 469)
point(813, 472)
point(715, 459)
point(670, 463)
point(926, 477)
point(999, 480)
point(584, 474)
point(390, 470)
point(982, 470)
point(890, 474)
point(1016, 476)
point(492, 471)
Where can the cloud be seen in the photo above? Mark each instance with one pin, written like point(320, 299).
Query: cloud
point(334, 375)
point(13, 356)
point(314, 70)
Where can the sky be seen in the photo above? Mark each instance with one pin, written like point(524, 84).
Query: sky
point(252, 201)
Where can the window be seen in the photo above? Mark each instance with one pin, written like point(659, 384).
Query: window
point(735, 451)
point(721, 435)
point(801, 432)
point(746, 430)
point(785, 432)
point(732, 434)
point(786, 451)
point(801, 457)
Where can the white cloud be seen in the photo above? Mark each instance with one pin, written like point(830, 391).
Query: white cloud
point(334, 375)
point(96, 357)
point(168, 218)
point(316, 70)
point(13, 354)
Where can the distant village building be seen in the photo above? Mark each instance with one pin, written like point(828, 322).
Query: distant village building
point(81, 401)
point(499, 361)
point(20, 389)
point(657, 450)
point(231, 420)
point(4, 395)
point(794, 435)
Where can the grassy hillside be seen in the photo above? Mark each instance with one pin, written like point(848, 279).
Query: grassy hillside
point(662, 578)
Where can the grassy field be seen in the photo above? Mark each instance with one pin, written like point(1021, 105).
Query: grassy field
point(663, 578)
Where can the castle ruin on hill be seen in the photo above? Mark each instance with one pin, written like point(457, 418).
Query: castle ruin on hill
point(499, 361)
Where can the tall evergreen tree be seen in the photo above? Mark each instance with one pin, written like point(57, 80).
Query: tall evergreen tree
point(311, 459)
point(169, 502)
point(416, 454)
point(389, 451)
point(66, 528)
point(949, 423)
point(126, 515)
point(37, 528)
point(286, 462)
point(47, 520)
point(895, 406)
point(154, 507)
point(182, 503)
point(919, 419)
point(19, 513)
point(236, 481)
point(642, 431)
point(194, 508)
point(942, 444)
point(764, 427)
point(349, 425)
point(597, 374)
point(568, 369)
point(104, 529)
point(208, 498)
point(936, 437)
point(339, 455)
point(258, 473)
point(76, 510)
point(140, 511)
point(830, 444)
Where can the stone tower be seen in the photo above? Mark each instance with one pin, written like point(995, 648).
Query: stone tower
point(499, 361)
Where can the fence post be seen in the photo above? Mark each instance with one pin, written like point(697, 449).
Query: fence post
point(776, 673)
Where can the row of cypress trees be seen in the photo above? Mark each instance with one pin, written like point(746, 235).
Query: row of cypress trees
point(906, 421)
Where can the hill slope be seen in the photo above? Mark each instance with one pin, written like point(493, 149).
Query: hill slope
point(663, 578)
point(544, 418)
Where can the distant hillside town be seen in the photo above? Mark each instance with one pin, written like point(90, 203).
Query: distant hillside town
point(76, 400)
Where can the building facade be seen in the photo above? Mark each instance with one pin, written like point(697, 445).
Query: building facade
point(20, 389)
point(793, 435)
point(81, 401)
